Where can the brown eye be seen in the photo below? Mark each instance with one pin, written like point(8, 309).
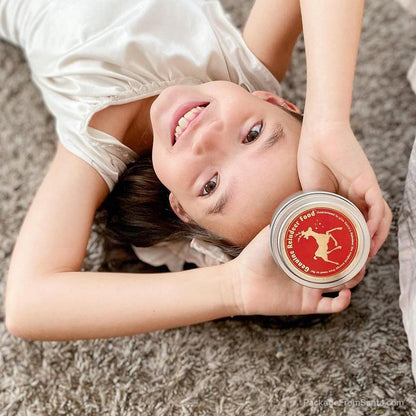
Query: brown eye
point(253, 133)
point(210, 185)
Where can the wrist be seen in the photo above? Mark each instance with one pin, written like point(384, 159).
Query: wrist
point(324, 112)
point(231, 289)
point(324, 127)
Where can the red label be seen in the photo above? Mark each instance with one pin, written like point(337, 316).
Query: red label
point(321, 242)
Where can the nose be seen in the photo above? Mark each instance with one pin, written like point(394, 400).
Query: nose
point(209, 141)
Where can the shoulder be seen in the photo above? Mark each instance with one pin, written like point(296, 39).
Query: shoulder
point(77, 177)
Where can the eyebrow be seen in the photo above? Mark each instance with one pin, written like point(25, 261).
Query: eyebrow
point(218, 207)
point(277, 134)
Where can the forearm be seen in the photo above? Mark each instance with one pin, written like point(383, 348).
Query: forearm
point(80, 305)
point(271, 32)
point(332, 32)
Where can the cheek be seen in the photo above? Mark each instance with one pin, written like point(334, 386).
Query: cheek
point(161, 165)
point(171, 173)
point(156, 161)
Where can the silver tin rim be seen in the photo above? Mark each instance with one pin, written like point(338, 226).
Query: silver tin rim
point(306, 200)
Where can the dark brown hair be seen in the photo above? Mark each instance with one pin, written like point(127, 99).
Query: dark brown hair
point(138, 212)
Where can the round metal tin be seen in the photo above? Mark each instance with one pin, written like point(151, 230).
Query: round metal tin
point(319, 239)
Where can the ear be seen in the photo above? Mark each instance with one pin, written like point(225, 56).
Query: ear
point(178, 209)
point(277, 100)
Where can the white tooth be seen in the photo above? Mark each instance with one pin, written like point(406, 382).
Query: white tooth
point(190, 115)
point(183, 122)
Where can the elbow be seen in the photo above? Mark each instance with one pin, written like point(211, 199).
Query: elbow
point(20, 327)
point(31, 311)
point(13, 328)
point(10, 311)
point(14, 321)
point(19, 317)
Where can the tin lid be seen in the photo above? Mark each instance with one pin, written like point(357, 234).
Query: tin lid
point(319, 239)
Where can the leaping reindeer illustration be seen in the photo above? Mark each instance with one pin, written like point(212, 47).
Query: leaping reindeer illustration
point(322, 241)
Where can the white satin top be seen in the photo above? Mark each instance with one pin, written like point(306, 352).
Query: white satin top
point(86, 55)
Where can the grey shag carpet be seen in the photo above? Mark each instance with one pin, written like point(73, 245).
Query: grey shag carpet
point(353, 363)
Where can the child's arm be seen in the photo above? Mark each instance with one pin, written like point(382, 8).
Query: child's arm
point(271, 31)
point(48, 298)
point(332, 33)
point(330, 157)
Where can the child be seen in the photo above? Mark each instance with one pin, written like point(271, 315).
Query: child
point(101, 68)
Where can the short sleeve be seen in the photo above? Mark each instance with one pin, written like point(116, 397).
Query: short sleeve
point(107, 155)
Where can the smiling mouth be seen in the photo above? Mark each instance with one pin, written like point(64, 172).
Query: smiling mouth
point(186, 120)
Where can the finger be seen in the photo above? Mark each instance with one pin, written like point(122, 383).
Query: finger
point(382, 232)
point(376, 209)
point(360, 202)
point(322, 179)
point(366, 195)
point(333, 305)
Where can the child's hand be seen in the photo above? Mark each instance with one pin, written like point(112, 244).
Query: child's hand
point(262, 288)
point(331, 159)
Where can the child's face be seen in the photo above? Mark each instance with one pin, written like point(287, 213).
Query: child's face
point(238, 152)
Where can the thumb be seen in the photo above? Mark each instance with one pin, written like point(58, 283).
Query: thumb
point(333, 305)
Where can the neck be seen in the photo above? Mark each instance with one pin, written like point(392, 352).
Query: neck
point(139, 134)
point(129, 123)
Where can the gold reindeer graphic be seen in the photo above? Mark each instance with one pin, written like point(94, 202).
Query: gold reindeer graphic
point(322, 241)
